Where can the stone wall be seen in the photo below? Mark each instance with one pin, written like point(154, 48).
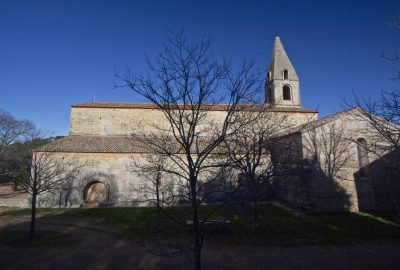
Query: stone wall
point(288, 188)
point(108, 168)
point(313, 189)
point(124, 187)
point(122, 121)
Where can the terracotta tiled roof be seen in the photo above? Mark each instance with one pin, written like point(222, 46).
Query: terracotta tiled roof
point(94, 144)
point(218, 107)
point(105, 144)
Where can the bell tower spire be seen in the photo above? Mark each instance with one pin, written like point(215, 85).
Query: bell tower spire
point(282, 86)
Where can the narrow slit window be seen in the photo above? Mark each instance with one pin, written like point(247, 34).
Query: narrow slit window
point(362, 156)
point(285, 74)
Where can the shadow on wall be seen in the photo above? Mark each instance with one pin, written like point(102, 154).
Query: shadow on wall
point(324, 193)
point(378, 184)
point(72, 194)
point(302, 183)
point(218, 189)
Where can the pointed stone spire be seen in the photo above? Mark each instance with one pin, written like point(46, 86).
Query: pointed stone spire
point(282, 87)
point(280, 61)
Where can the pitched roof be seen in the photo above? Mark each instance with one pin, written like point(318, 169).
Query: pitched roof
point(317, 123)
point(94, 144)
point(112, 144)
point(217, 107)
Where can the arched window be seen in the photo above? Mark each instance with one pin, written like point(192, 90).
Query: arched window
point(286, 93)
point(362, 153)
point(285, 74)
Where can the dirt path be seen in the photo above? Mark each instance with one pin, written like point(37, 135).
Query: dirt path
point(105, 248)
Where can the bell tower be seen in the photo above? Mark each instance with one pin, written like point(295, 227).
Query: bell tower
point(282, 87)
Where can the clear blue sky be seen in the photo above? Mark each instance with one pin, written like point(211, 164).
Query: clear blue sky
point(57, 53)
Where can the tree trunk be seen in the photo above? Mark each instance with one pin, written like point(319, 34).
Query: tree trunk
point(60, 200)
point(33, 216)
point(254, 214)
point(396, 205)
point(158, 225)
point(196, 237)
point(66, 198)
point(197, 243)
point(253, 200)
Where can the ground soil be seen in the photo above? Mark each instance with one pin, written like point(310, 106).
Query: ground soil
point(100, 247)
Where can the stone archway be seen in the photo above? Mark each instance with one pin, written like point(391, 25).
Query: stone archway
point(94, 193)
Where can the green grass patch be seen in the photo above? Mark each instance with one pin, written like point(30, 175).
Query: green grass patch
point(41, 238)
point(136, 222)
point(277, 226)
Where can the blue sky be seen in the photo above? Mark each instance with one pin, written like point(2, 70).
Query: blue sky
point(57, 53)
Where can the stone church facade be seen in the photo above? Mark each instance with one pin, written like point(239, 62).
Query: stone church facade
point(99, 141)
point(338, 170)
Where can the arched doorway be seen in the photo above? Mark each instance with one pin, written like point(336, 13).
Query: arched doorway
point(94, 193)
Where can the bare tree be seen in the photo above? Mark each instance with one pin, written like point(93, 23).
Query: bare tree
point(45, 174)
point(325, 165)
point(328, 149)
point(249, 153)
point(394, 56)
point(13, 131)
point(187, 85)
point(382, 115)
point(381, 118)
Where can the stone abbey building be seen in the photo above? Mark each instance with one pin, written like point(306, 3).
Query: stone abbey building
point(99, 140)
